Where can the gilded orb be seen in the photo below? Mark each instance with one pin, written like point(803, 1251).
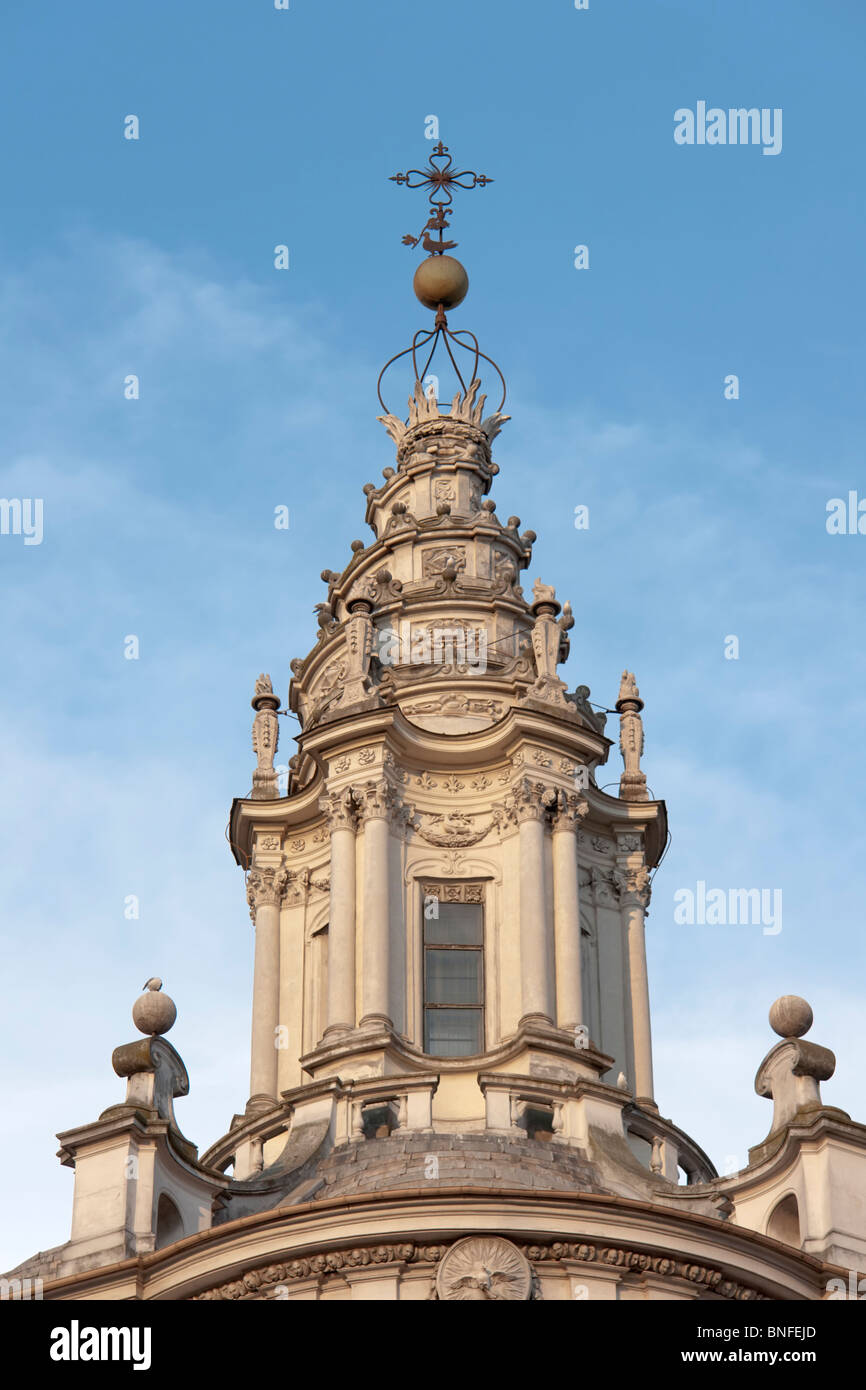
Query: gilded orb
point(441, 280)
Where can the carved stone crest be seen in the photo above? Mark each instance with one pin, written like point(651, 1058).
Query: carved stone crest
point(484, 1268)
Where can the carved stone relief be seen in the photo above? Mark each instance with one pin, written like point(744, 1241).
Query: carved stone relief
point(484, 1268)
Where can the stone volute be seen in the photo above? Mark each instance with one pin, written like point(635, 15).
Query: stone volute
point(791, 1072)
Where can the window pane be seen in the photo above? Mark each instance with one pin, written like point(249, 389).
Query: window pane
point(453, 977)
point(457, 924)
point(453, 1032)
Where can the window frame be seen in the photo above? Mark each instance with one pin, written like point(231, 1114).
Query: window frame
point(463, 892)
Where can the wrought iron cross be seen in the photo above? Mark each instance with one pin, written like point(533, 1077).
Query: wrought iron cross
point(440, 178)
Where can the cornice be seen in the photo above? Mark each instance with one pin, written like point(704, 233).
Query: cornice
point(529, 1035)
point(779, 1152)
point(542, 1219)
point(440, 752)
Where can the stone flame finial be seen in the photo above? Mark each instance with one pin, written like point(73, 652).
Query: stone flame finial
point(266, 736)
point(632, 785)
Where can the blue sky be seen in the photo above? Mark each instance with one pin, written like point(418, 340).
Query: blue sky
point(707, 516)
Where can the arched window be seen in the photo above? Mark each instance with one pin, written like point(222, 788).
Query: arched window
point(169, 1223)
point(784, 1222)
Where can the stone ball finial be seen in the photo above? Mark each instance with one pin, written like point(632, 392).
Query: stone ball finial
point(791, 1016)
point(441, 280)
point(154, 1013)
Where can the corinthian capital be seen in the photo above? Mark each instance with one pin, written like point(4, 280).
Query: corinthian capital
point(341, 808)
point(570, 808)
point(529, 800)
point(379, 800)
point(266, 888)
point(634, 886)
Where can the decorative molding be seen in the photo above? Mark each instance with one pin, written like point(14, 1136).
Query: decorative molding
point(466, 892)
point(456, 705)
point(629, 843)
point(261, 1283)
point(639, 1262)
point(451, 829)
point(602, 885)
point(438, 558)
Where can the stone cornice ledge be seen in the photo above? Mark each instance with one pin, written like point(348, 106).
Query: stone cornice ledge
point(443, 1215)
point(528, 1035)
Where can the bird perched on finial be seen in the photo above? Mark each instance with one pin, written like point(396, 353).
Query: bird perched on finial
point(154, 1013)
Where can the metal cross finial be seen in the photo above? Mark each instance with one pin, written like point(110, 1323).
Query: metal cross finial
point(440, 178)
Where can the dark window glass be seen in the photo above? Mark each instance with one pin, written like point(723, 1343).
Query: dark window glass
point(454, 924)
point(453, 1032)
point(453, 979)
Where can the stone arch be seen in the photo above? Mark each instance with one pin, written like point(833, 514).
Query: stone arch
point(316, 941)
point(590, 973)
point(784, 1221)
point(169, 1222)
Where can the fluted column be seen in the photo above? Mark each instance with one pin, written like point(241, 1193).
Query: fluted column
point(341, 809)
point(375, 978)
point(530, 811)
point(566, 911)
point(265, 889)
point(634, 899)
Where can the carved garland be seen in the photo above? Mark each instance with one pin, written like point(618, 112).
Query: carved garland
point(257, 1284)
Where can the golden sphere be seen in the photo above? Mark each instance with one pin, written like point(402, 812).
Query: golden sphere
point(441, 280)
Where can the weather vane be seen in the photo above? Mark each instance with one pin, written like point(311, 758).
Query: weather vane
point(441, 282)
point(440, 178)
